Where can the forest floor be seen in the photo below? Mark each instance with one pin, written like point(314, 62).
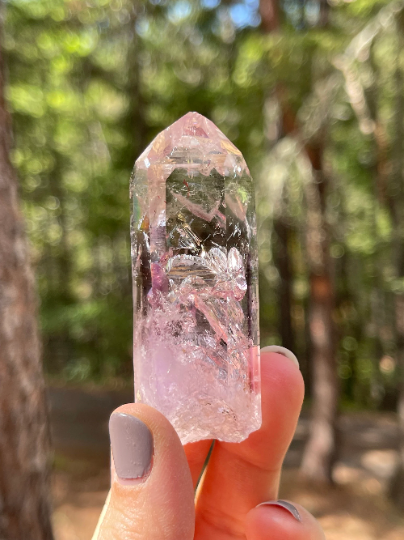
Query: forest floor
point(356, 508)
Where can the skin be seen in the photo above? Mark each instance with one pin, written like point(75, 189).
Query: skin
point(162, 506)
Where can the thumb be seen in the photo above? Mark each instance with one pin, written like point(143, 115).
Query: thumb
point(151, 495)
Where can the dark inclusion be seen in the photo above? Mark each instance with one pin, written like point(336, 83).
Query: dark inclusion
point(204, 191)
point(189, 234)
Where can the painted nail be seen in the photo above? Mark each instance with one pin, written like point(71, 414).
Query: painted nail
point(286, 505)
point(132, 446)
point(281, 350)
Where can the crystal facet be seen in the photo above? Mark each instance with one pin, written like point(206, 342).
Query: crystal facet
point(194, 263)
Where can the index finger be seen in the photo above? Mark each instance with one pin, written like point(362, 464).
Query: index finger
point(240, 476)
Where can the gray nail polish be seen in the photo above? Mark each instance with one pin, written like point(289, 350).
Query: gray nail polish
point(286, 505)
point(282, 350)
point(132, 445)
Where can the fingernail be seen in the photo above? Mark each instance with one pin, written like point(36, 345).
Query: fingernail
point(282, 350)
point(286, 505)
point(132, 446)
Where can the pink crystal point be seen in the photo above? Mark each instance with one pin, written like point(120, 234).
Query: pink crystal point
point(195, 266)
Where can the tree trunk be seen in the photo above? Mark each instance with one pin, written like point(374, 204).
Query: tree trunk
point(320, 452)
point(269, 11)
point(24, 441)
point(397, 483)
point(283, 265)
point(396, 205)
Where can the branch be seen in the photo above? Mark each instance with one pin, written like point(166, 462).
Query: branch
point(358, 49)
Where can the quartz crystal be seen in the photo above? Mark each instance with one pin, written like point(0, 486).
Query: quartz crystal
point(194, 264)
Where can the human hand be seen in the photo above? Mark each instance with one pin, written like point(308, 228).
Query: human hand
point(159, 504)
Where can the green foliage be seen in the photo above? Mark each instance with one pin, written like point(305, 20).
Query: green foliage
point(91, 83)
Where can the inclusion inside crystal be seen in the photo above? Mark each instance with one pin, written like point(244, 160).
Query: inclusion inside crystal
point(194, 264)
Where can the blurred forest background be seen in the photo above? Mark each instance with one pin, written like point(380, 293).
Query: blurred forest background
point(311, 91)
point(92, 82)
